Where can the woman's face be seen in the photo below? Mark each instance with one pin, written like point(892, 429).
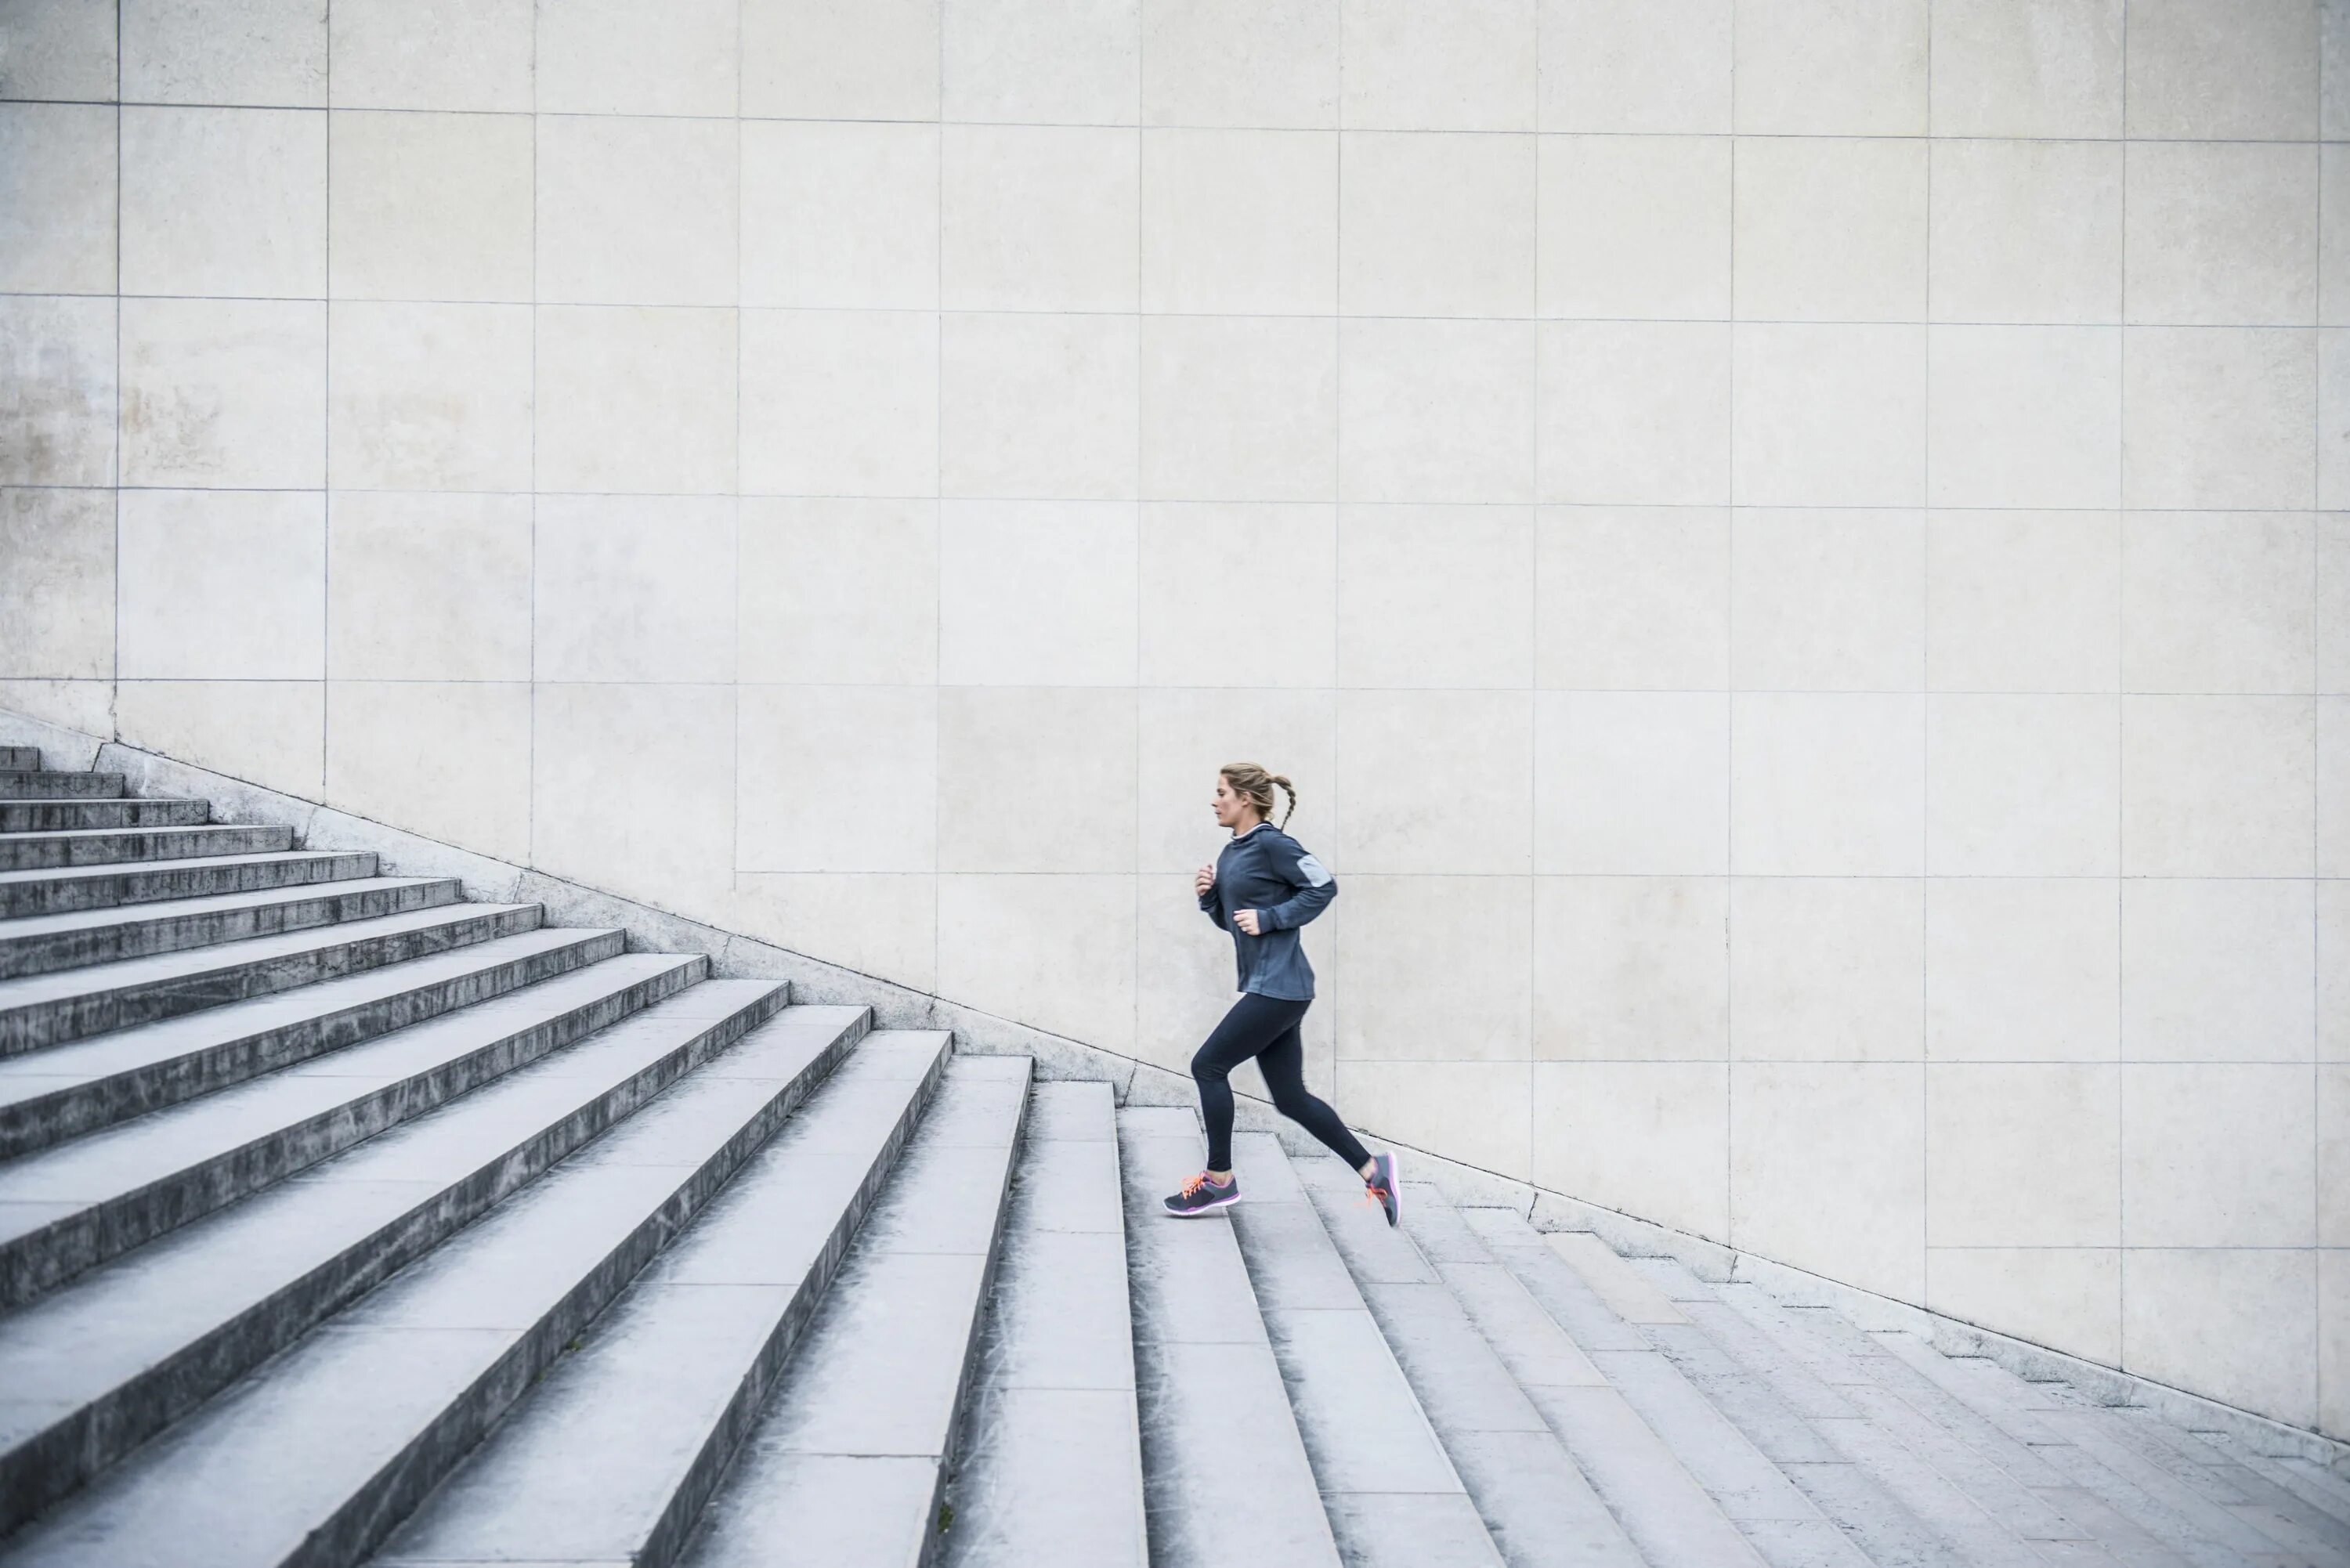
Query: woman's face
point(1228, 806)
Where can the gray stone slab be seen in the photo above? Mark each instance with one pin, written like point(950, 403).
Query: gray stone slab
point(1536, 1506)
point(52, 1009)
point(1364, 1430)
point(613, 1455)
point(1742, 1480)
point(1226, 1475)
point(1440, 1529)
point(318, 1423)
point(1855, 1363)
point(43, 944)
point(1784, 1435)
point(1060, 1313)
point(1051, 1460)
point(23, 893)
point(821, 1510)
point(140, 1340)
point(1460, 1384)
point(545, 1264)
point(1062, 1482)
point(55, 816)
point(66, 1091)
point(882, 1370)
point(110, 846)
point(2277, 1511)
point(132, 1182)
point(1669, 1517)
point(901, 1400)
point(46, 783)
point(1589, 1321)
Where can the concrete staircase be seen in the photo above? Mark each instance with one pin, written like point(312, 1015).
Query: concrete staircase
point(342, 1221)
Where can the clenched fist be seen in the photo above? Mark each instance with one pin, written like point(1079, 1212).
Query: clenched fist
point(1203, 879)
point(1246, 920)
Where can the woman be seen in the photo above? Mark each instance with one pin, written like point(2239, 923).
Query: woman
point(1261, 888)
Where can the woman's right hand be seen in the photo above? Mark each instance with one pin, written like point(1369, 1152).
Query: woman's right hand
point(1204, 879)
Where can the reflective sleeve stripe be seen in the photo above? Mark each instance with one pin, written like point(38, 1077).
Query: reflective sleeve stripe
point(1312, 870)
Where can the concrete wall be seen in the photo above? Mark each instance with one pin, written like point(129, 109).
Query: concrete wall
point(1782, 541)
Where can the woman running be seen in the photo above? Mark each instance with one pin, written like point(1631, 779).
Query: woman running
point(1261, 888)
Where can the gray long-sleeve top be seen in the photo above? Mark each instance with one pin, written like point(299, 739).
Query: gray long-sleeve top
point(1267, 870)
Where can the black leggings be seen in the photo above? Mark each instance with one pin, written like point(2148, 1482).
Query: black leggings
point(1264, 1027)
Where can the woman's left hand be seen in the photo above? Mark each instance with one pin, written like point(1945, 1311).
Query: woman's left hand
point(1246, 920)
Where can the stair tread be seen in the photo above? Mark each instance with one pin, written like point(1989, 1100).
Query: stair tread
point(73, 921)
point(592, 1464)
point(1859, 1364)
point(1226, 1475)
point(49, 874)
point(1365, 1432)
point(37, 1072)
point(120, 1162)
point(130, 846)
point(348, 1403)
point(1537, 1505)
point(849, 1456)
point(2146, 1483)
point(1053, 1461)
point(123, 974)
point(1670, 1515)
point(79, 1343)
point(23, 783)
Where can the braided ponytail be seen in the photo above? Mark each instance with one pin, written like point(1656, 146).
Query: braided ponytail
point(1253, 784)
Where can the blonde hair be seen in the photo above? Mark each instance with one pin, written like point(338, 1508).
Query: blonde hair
point(1254, 785)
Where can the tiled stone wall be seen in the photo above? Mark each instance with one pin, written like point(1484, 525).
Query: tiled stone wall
point(1784, 541)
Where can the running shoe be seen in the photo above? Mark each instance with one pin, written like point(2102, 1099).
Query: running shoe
point(1386, 1184)
point(1198, 1195)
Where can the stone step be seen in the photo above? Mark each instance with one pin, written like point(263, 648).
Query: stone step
point(2248, 1491)
point(1538, 1507)
point(48, 1096)
point(27, 893)
point(1051, 1458)
point(1859, 1368)
point(54, 1009)
point(1899, 1494)
point(612, 1457)
point(1225, 1476)
point(2098, 1449)
point(43, 944)
point(2307, 1479)
point(113, 846)
point(15, 759)
point(850, 1455)
point(76, 1205)
point(36, 783)
point(1550, 1331)
point(1390, 1490)
point(124, 1352)
point(70, 815)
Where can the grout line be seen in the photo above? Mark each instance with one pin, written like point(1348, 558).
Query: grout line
point(2121, 747)
point(114, 642)
point(938, 515)
point(1729, 702)
point(327, 422)
point(530, 743)
point(1926, 725)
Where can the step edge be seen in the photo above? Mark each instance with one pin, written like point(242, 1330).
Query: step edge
point(60, 1458)
point(110, 1227)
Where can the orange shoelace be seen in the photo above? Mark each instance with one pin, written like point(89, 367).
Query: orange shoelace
point(1194, 1185)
